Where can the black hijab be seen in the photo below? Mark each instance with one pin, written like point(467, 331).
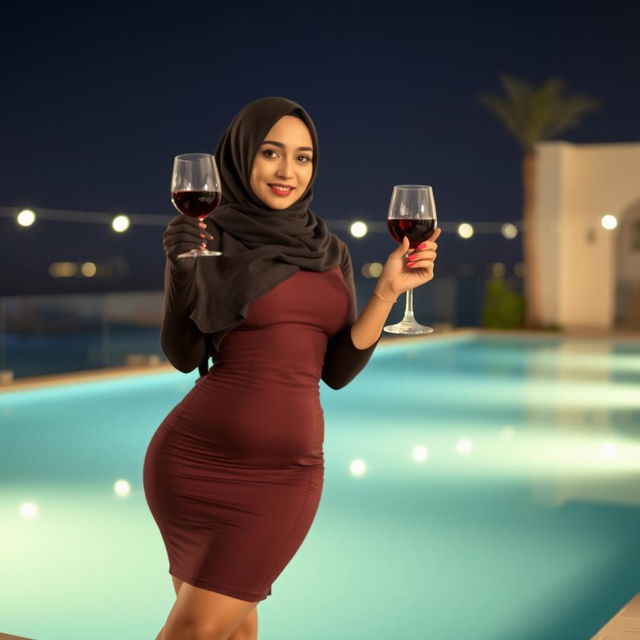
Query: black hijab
point(260, 246)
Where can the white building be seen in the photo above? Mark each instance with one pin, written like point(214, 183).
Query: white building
point(590, 276)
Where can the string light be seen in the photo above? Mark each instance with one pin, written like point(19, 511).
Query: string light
point(509, 231)
point(358, 228)
point(465, 230)
point(120, 223)
point(26, 218)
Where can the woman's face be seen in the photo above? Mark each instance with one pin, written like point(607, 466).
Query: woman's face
point(284, 158)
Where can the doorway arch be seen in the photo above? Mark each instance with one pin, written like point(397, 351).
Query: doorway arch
point(627, 286)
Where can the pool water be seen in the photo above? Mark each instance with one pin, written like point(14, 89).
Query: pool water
point(475, 489)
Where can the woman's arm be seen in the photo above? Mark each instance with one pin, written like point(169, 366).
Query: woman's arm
point(398, 275)
point(181, 341)
point(349, 350)
point(367, 329)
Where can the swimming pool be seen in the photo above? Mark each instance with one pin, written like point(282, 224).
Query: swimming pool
point(476, 488)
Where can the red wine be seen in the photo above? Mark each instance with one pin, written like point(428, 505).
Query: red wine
point(196, 204)
point(416, 229)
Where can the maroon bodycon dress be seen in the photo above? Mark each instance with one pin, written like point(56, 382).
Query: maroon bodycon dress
point(234, 474)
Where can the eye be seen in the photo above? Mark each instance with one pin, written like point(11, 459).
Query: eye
point(265, 152)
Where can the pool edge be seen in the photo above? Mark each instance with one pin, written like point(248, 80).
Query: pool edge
point(91, 375)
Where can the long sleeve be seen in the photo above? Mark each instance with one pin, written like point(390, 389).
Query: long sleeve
point(181, 341)
point(343, 361)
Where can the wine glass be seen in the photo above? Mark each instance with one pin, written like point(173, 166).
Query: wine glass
point(412, 213)
point(195, 191)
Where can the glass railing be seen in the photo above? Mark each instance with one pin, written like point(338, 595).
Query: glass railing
point(51, 334)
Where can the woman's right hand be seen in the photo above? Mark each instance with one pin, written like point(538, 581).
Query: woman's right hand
point(183, 234)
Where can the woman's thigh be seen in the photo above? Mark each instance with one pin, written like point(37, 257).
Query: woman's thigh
point(204, 612)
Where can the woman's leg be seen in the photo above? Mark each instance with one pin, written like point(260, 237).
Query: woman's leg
point(248, 629)
point(177, 583)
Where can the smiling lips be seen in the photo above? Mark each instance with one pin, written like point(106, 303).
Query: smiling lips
point(281, 190)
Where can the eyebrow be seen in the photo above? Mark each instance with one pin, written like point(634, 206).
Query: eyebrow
point(279, 144)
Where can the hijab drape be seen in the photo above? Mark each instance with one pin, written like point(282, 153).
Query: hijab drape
point(261, 246)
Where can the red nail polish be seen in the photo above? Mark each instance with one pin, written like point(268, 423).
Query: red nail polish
point(422, 246)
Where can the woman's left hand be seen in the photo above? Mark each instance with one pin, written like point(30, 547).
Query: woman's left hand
point(398, 274)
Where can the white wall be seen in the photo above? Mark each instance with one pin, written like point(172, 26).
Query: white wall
point(575, 186)
point(549, 194)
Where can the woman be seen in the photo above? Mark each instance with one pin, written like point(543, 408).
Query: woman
point(233, 475)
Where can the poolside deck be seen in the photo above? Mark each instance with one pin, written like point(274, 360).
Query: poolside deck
point(625, 625)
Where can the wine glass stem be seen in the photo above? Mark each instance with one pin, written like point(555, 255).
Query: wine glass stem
point(408, 310)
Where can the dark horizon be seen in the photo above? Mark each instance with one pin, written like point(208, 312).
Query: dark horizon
point(102, 98)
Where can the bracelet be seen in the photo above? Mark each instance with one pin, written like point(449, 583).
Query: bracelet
point(375, 293)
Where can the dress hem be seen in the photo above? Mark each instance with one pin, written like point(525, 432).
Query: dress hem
point(212, 586)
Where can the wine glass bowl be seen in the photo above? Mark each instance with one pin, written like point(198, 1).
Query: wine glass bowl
point(196, 204)
point(416, 230)
point(196, 191)
point(412, 213)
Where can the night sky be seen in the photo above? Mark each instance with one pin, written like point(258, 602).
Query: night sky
point(98, 98)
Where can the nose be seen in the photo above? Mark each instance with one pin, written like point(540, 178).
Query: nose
point(284, 170)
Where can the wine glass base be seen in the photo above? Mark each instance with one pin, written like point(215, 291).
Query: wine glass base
point(198, 253)
point(409, 328)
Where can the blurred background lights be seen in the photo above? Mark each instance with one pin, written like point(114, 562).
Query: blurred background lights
point(608, 450)
point(609, 222)
point(122, 488)
point(371, 269)
point(358, 229)
point(88, 269)
point(464, 447)
point(498, 269)
point(465, 230)
point(28, 510)
point(120, 223)
point(358, 467)
point(26, 218)
point(63, 269)
point(420, 453)
point(509, 231)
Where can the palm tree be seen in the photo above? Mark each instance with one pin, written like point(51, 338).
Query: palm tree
point(532, 115)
